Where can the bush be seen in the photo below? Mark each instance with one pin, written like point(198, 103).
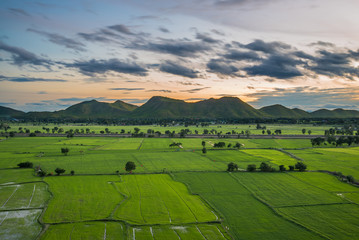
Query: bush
point(350, 178)
point(41, 173)
point(72, 172)
point(32, 135)
point(251, 167)
point(59, 171)
point(204, 150)
point(265, 167)
point(232, 167)
point(291, 168)
point(300, 166)
point(25, 165)
point(65, 151)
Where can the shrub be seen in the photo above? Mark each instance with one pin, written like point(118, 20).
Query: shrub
point(65, 151)
point(265, 167)
point(41, 173)
point(32, 135)
point(25, 165)
point(204, 150)
point(350, 178)
point(72, 172)
point(291, 168)
point(282, 168)
point(251, 167)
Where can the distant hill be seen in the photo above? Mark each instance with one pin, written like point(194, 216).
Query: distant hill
point(226, 107)
point(167, 108)
point(336, 113)
point(6, 112)
point(89, 110)
point(279, 111)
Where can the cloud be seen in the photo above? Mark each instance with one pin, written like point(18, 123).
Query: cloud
point(21, 56)
point(336, 64)
point(177, 69)
point(222, 67)
point(121, 29)
point(159, 90)
point(195, 99)
point(240, 55)
point(206, 38)
point(164, 30)
point(42, 92)
point(322, 44)
point(96, 37)
point(278, 66)
point(220, 33)
point(134, 100)
point(182, 48)
point(188, 83)
point(61, 40)
point(126, 89)
point(266, 47)
point(92, 67)
point(6, 103)
point(25, 79)
point(18, 11)
point(194, 90)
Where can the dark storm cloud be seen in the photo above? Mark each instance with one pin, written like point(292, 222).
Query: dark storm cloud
point(266, 47)
point(61, 40)
point(21, 56)
point(164, 30)
point(222, 67)
point(94, 66)
point(278, 66)
point(240, 55)
point(177, 69)
point(177, 47)
point(25, 79)
point(126, 89)
point(18, 11)
point(206, 38)
point(121, 29)
point(322, 44)
point(336, 64)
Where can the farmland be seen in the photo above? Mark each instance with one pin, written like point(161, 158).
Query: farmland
point(175, 192)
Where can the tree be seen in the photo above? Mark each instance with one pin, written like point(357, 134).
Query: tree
point(59, 171)
point(232, 167)
point(265, 167)
point(282, 168)
point(291, 168)
point(25, 165)
point(203, 144)
point(65, 151)
point(204, 150)
point(72, 172)
point(130, 166)
point(304, 130)
point(251, 167)
point(350, 178)
point(309, 131)
point(237, 145)
point(300, 166)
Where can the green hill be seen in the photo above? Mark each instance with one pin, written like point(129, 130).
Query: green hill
point(279, 111)
point(336, 113)
point(226, 107)
point(6, 112)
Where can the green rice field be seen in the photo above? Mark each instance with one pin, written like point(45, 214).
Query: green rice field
point(176, 192)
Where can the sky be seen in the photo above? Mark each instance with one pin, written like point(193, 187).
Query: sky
point(303, 54)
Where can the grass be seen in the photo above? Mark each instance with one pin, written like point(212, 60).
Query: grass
point(19, 224)
point(333, 222)
point(154, 199)
point(245, 216)
point(274, 156)
point(344, 160)
point(86, 230)
point(82, 198)
point(10, 176)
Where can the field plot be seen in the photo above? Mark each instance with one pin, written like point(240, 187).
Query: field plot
point(153, 199)
point(246, 217)
point(10, 176)
point(334, 221)
point(274, 156)
point(198, 231)
point(11, 159)
point(22, 196)
point(85, 230)
point(175, 161)
point(81, 198)
point(25, 144)
point(281, 189)
point(123, 144)
point(22, 224)
point(344, 160)
point(157, 144)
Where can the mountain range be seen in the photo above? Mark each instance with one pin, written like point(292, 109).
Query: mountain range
point(167, 108)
